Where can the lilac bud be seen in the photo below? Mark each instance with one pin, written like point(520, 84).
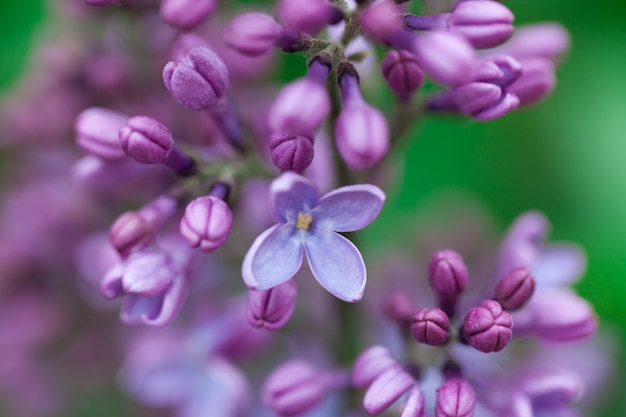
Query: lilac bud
point(272, 308)
point(484, 23)
point(399, 308)
point(402, 72)
point(455, 398)
point(541, 40)
point(308, 16)
point(361, 131)
point(414, 406)
point(487, 327)
point(186, 14)
point(291, 152)
point(255, 34)
point(381, 20)
point(370, 364)
point(501, 70)
point(536, 82)
point(446, 57)
point(145, 140)
point(515, 289)
point(484, 101)
point(198, 81)
point(297, 386)
point(447, 274)
point(386, 389)
point(206, 223)
point(430, 326)
point(97, 133)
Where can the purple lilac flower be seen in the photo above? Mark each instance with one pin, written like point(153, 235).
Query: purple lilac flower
point(97, 133)
point(271, 309)
point(402, 73)
point(186, 14)
point(255, 34)
point(308, 16)
point(308, 223)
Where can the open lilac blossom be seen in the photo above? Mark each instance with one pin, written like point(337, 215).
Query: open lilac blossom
point(308, 223)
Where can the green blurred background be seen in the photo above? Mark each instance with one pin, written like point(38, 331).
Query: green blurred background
point(565, 157)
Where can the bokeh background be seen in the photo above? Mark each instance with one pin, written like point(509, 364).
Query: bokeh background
point(565, 157)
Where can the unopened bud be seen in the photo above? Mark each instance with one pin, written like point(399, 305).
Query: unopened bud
point(455, 398)
point(515, 289)
point(206, 223)
point(430, 326)
point(272, 308)
point(487, 327)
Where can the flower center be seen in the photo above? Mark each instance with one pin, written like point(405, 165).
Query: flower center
point(304, 221)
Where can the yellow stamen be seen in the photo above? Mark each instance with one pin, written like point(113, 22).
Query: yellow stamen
point(304, 221)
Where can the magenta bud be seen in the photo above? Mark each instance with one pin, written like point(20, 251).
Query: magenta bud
point(386, 389)
point(455, 398)
point(484, 101)
point(97, 133)
point(291, 152)
point(402, 73)
point(446, 57)
point(430, 326)
point(484, 23)
point(186, 14)
point(206, 223)
point(414, 406)
point(198, 81)
point(501, 70)
point(536, 82)
point(515, 289)
point(308, 16)
point(399, 308)
point(381, 20)
point(253, 34)
point(272, 308)
point(370, 364)
point(487, 327)
point(447, 274)
point(145, 140)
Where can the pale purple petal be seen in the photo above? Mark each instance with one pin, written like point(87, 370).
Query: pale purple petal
point(336, 264)
point(370, 364)
point(414, 406)
point(350, 208)
point(274, 257)
point(559, 265)
point(290, 194)
point(386, 389)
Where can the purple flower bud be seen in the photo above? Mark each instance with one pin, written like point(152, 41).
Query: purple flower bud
point(501, 70)
point(484, 23)
point(291, 152)
point(206, 223)
point(515, 289)
point(272, 308)
point(447, 274)
point(297, 386)
point(487, 327)
point(536, 82)
point(186, 14)
point(402, 72)
point(386, 389)
point(97, 133)
point(361, 131)
point(399, 308)
point(414, 406)
point(541, 40)
point(255, 34)
point(145, 140)
point(430, 326)
point(381, 20)
point(308, 16)
point(370, 364)
point(198, 81)
point(455, 398)
point(484, 101)
point(446, 57)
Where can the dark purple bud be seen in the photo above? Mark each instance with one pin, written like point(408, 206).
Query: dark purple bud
point(297, 386)
point(427, 22)
point(255, 34)
point(291, 152)
point(145, 140)
point(430, 326)
point(455, 398)
point(272, 308)
point(515, 289)
point(186, 14)
point(308, 16)
point(446, 57)
point(484, 23)
point(361, 131)
point(399, 308)
point(487, 327)
point(447, 274)
point(484, 101)
point(386, 389)
point(97, 133)
point(402, 72)
point(536, 82)
point(370, 364)
point(198, 81)
point(206, 223)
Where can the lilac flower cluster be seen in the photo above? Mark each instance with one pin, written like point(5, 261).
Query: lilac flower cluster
point(166, 170)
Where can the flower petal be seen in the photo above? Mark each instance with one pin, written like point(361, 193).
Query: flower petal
point(559, 264)
point(350, 208)
point(290, 194)
point(336, 264)
point(274, 257)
